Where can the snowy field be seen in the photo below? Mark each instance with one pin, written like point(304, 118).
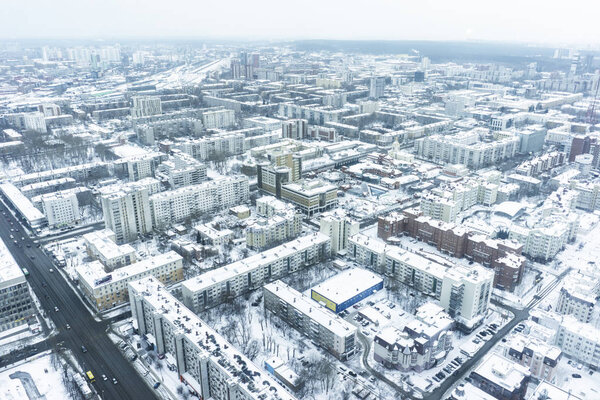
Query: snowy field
point(36, 379)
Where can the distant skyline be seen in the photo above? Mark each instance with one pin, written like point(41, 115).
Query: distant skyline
point(556, 23)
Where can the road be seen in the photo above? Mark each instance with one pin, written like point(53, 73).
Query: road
point(102, 356)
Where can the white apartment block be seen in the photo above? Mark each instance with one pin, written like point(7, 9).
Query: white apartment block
point(589, 194)
point(473, 148)
point(206, 148)
point(439, 208)
point(127, 212)
point(180, 204)
point(265, 123)
point(107, 290)
point(213, 287)
point(144, 106)
point(578, 297)
point(541, 242)
point(339, 227)
point(275, 222)
point(102, 246)
point(182, 170)
point(218, 119)
point(34, 121)
point(310, 318)
point(368, 251)
point(541, 358)
point(61, 208)
point(210, 365)
point(463, 292)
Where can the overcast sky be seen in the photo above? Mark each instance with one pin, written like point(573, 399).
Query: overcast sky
point(540, 21)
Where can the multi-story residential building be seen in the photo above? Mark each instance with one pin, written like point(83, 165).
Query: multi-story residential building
point(182, 170)
point(208, 234)
point(61, 208)
point(180, 204)
point(577, 297)
point(265, 123)
point(547, 238)
point(473, 149)
point(504, 256)
point(275, 222)
point(101, 245)
point(323, 327)
point(502, 378)
point(463, 292)
point(144, 106)
point(367, 251)
point(213, 287)
point(218, 119)
point(541, 358)
point(127, 212)
point(294, 129)
point(421, 344)
point(589, 194)
point(34, 121)
point(376, 87)
point(78, 172)
point(206, 148)
point(107, 290)
point(17, 305)
point(339, 227)
point(148, 133)
point(440, 208)
point(212, 367)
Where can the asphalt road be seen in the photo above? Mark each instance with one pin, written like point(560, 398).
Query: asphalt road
point(102, 356)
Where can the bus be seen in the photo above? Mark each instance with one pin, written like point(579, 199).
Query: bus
point(25, 271)
point(90, 376)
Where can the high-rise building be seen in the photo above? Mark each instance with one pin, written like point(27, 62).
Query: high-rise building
point(127, 212)
point(339, 227)
point(144, 106)
point(61, 208)
point(376, 87)
point(294, 129)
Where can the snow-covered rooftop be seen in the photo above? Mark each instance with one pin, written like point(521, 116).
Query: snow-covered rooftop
point(347, 284)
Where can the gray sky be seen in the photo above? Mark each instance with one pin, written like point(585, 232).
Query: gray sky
point(549, 21)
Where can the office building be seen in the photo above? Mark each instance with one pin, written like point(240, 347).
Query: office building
point(17, 305)
point(209, 365)
point(310, 196)
point(61, 208)
point(311, 319)
point(105, 290)
point(214, 287)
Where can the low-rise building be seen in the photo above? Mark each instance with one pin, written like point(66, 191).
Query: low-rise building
point(502, 378)
point(541, 358)
point(102, 246)
point(107, 290)
point(346, 289)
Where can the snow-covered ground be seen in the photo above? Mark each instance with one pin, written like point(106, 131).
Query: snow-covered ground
point(38, 378)
point(586, 387)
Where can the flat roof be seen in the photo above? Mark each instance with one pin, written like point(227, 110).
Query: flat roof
point(347, 284)
point(22, 203)
point(209, 341)
point(10, 272)
point(246, 265)
point(309, 307)
point(502, 371)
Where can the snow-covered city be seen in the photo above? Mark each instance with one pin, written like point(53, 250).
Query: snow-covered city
point(274, 220)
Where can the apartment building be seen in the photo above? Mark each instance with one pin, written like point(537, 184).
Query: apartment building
point(217, 119)
point(212, 367)
point(182, 170)
point(322, 326)
point(180, 204)
point(17, 304)
point(101, 245)
point(502, 378)
point(475, 149)
point(440, 208)
point(144, 106)
point(541, 358)
point(210, 147)
point(367, 251)
point(107, 290)
point(275, 222)
point(339, 227)
point(577, 297)
point(127, 212)
point(61, 208)
point(294, 129)
point(213, 287)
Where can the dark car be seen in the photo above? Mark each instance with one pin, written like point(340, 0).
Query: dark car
point(83, 349)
